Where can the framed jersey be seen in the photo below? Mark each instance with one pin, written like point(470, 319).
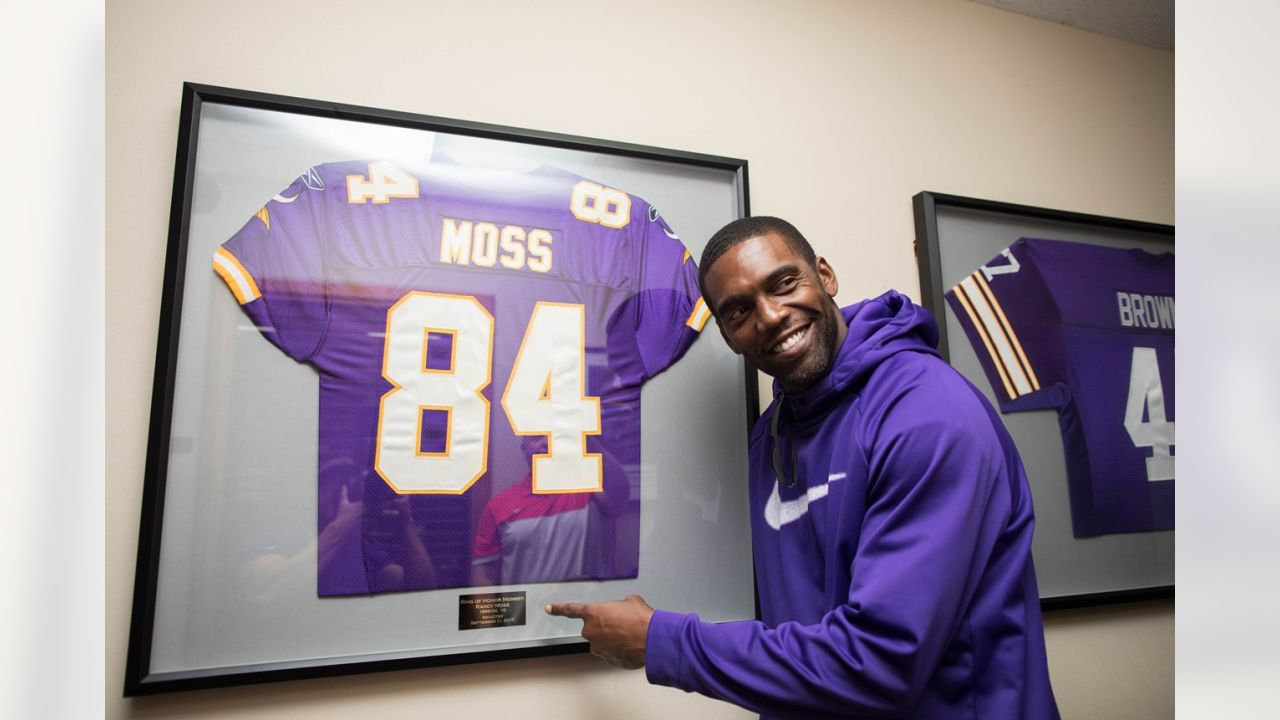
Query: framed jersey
point(1066, 322)
point(418, 377)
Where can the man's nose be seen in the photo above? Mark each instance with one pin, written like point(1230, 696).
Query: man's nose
point(772, 314)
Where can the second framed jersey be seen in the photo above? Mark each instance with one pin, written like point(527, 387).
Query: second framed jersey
point(1066, 322)
point(1088, 331)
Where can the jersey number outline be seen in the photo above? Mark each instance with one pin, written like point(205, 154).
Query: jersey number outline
point(385, 181)
point(1146, 393)
point(602, 205)
point(544, 395)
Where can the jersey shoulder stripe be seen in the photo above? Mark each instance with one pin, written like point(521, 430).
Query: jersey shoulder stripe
point(235, 276)
point(699, 316)
point(999, 338)
point(990, 296)
point(958, 292)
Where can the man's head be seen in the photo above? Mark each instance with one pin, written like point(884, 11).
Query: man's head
point(772, 298)
point(745, 229)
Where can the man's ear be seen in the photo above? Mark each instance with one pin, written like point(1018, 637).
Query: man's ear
point(828, 277)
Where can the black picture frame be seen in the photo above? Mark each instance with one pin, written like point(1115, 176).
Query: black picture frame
point(950, 226)
point(141, 677)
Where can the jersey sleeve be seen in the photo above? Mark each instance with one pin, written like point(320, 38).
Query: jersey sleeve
point(1013, 324)
point(669, 310)
point(274, 266)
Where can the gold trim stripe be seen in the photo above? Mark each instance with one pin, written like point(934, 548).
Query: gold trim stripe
point(999, 341)
point(699, 316)
point(1008, 329)
point(235, 276)
point(986, 341)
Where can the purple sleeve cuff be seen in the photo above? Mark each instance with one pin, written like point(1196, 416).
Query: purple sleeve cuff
point(662, 648)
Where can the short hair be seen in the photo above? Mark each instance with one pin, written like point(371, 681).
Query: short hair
point(744, 229)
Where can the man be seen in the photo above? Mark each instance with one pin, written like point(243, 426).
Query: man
point(891, 517)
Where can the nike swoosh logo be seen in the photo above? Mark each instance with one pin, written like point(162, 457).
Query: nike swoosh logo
point(778, 513)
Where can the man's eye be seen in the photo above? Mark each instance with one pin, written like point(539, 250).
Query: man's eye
point(787, 283)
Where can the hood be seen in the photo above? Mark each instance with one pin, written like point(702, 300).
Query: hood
point(878, 328)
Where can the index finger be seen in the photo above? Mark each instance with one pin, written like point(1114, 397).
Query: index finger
point(569, 610)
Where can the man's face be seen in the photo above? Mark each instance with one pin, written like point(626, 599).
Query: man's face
point(776, 309)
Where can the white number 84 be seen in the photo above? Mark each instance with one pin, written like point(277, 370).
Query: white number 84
point(545, 395)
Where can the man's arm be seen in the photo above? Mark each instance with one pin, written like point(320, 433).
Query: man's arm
point(936, 507)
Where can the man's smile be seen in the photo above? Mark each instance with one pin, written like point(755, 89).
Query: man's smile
point(790, 340)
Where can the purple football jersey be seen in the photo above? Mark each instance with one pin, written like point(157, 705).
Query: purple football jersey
point(1087, 330)
point(451, 312)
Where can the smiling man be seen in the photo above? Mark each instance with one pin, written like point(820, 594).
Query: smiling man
point(891, 517)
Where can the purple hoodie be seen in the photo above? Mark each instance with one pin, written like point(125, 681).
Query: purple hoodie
point(895, 575)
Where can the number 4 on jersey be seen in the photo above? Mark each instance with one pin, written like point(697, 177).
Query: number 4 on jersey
point(385, 181)
point(1146, 397)
point(547, 395)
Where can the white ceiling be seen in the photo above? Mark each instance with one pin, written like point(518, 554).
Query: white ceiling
point(1148, 22)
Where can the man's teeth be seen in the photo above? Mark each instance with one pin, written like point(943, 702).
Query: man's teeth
point(789, 342)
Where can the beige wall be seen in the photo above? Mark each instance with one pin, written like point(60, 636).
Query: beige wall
point(845, 109)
